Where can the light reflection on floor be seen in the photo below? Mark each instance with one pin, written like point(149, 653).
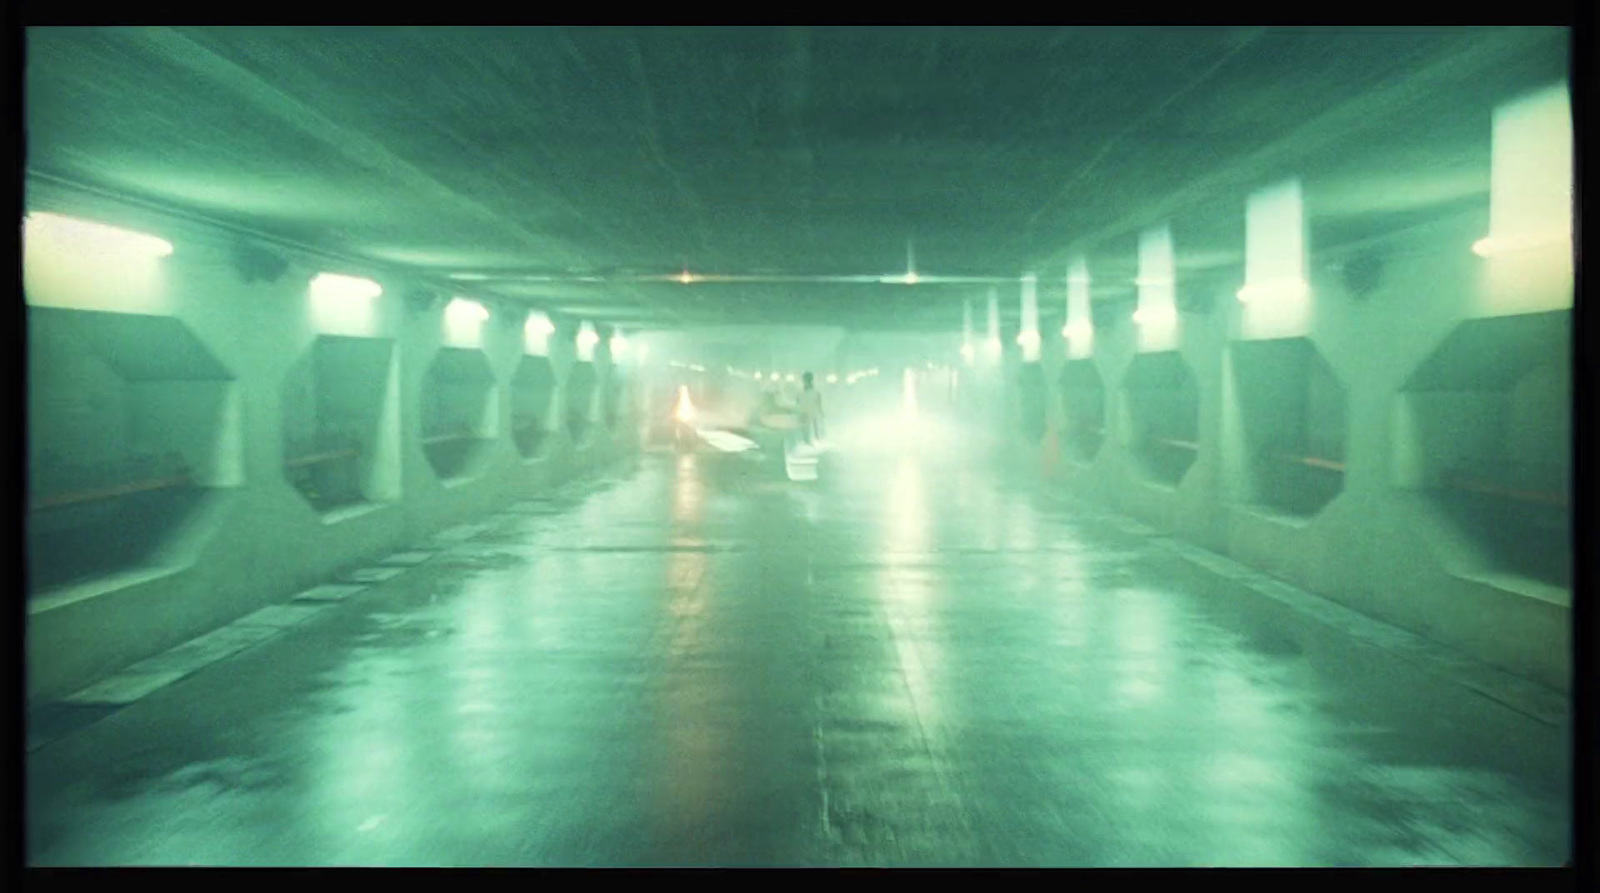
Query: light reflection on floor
point(907, 662)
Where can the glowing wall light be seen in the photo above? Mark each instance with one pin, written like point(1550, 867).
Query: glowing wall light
point(992, 342)
point(1028, 336)
point(968, 352)
point(344, 305)
point(1285, 290)
point(1276, 298)
point(467, 311)
point(1489, 246)
point(1275, 241)
point(833, 379)
point(335, 287)
point(536, 332)
point(463, 322)
point(92, 240)
point(1530, 205)
point(619, 346)
point(1157, 314)
point(587, 339)
point(69, 262)
point(1530, 185)
point(1079, 330)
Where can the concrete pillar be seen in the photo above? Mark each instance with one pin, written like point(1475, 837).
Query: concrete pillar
point(216, 302)
point(1448, 347)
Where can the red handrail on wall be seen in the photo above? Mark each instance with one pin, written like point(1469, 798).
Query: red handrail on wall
point(1488, 488)
point(1313, 461)
point(1180, 444)
point(101, 494)
point(318, 458)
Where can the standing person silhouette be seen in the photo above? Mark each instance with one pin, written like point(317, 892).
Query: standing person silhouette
point(811, 409)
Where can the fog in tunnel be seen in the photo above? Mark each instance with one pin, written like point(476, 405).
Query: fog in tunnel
point(799, 447)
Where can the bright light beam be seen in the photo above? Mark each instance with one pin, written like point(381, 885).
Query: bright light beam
point(685, 409)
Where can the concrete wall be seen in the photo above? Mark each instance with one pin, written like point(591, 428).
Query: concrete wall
point(254, 539)
point(1393, 543)
point(77, 407)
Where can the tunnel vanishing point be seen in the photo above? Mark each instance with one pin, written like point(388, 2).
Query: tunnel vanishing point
point(420, 469)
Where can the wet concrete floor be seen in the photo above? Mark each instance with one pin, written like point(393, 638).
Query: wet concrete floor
point(906, 663)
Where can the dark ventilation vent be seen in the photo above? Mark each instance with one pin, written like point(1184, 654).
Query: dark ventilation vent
point(1198, 297)
point(256, 264)
point(1107, 314)
point(1363, 273)
point(508, 315)
point(421, 300)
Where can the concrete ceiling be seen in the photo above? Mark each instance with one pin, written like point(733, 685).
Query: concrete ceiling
point(564, 164)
